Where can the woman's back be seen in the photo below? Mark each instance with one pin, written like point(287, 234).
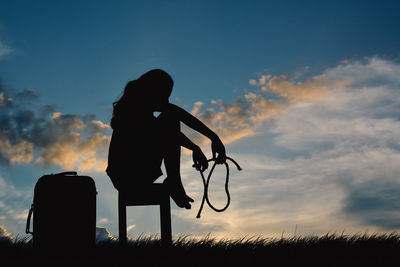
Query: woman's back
point(133, 152)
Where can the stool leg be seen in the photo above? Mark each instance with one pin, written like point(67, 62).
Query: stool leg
point(121, 221)
point(165, 218)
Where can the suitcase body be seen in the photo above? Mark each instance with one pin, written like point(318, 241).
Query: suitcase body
point(64, 212)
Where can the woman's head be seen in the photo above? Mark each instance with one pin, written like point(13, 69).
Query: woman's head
point(150, 92)
point(157, 83)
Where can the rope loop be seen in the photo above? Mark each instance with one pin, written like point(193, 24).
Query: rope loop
point(206, 183)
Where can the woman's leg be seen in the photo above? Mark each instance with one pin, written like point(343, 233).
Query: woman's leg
point(172, 159)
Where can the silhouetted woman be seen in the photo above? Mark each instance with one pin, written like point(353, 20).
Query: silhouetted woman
point(141, 141)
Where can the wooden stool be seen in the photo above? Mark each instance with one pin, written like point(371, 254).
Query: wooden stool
point(154, 195)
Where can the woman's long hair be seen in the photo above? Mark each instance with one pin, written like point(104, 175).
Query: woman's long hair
point(138, 95)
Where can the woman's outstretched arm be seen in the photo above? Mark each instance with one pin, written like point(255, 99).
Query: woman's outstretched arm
point(194, 123)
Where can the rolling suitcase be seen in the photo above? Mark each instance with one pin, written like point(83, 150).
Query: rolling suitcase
point(64, 212)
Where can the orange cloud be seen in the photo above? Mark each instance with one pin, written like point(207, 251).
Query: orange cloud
point(21, 152)
point(312, 89)
point(244, 117)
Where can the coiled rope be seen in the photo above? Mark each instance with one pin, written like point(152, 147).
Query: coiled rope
point(206, 183)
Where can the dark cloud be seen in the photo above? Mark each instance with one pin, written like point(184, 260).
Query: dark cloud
point(375, 203)
point(14, 98)
point(47, 131)
point(26, 96)
point(5, 237)
point(33, 133)
point(102, 234)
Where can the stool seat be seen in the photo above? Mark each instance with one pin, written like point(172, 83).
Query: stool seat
point(154, 194)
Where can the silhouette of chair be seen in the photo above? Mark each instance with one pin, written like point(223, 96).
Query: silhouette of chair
point(154, 195)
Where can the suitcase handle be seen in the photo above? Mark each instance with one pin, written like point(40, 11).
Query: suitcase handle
point(74, 173)
point(28, 221)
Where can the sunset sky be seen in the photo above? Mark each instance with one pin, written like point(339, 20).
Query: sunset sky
point(305, 95)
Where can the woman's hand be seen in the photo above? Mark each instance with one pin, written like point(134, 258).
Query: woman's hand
point(218, 147)
point(199, 159)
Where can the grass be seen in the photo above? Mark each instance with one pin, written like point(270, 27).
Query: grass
point(327, 250)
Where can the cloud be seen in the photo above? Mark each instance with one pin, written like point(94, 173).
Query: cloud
point(5, 50)
point(372, 71)
point(130, 227)
point(311, 89)
point(103, 220)
point(263, 79)
point(2, 102)
point(268, 197)
point(327, 161)
point(21, 152)
point(7, 189)
point(252, 82)
point(374, 202)
point(102, 234)
point(359, 115)
point(44, 136)
point(354, 137)
point(18, 215)
point(248, 113)
point(5, 237)
point(97, 126)
point(13, 205)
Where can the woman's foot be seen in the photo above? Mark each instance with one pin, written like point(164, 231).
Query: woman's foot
point(177, 193)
